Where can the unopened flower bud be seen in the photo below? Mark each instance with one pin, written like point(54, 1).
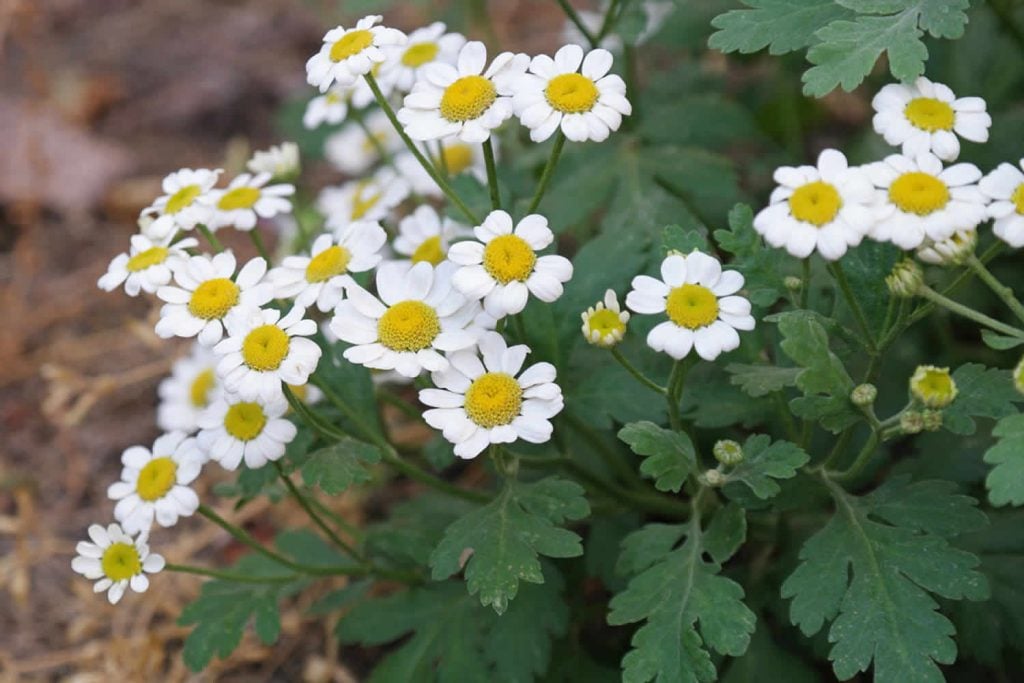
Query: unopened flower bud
point(793, 283)
point(714, 478)
point(906, 278)
point(604, 324)
point(933, 386)
point(932, 420)
point(863, 395)
point(911, 422)
point(728, 452)
point(280, 161)
point(1018, 376)
point(951, 251)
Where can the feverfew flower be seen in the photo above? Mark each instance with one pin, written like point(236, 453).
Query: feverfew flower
point(699, 299)
point(463, 100)
point(825, 208)
point(232, 429)
point(147, 265)
point(423, 235)
point(417, 316)
point(117, 560)
point(321, 277)
point(604, 325)
point(919, 199)
point(369, 199)
point(280, 161)
point(205, 294)
point(923, 118)
point(427, 45)
point(155, 484)
point(574, 92)
point(264, 349)
point(1005, 187)
point(180, 208)
point(932, 386)
point(353, 152)
point(457, 157)
point(246, 199)
point(330, 108)
point(348, 54)
point(951, 251)
point(480, 403)
point(503, 268)
point(191, 387)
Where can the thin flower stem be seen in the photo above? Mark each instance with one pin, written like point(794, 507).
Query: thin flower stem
point(229, 576)
point(492, 174)
point(805, 289)
point(348, 528)
point(213, 241)
point(424, 162)
point(674, 379)
point(863, 458)
point(325, 429)
point(926, 308)
point(611, 17)
point(549, 170)
point(577, 22)
point(639, 376)
point(378, 146)
point(400, 403)
point(518, 328)
point(613, 460)
point(997, 287)
point(839, 274)
point(655, 504)
point(304, 504)
point(367, 431)
point(442, 162)
point(930, 294)
point(261, 248)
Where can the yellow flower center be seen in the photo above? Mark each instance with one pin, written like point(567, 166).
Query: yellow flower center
point(467, 98)
point(332, 98)
point(933, 386)
point(350, 44)
point(239, 198)
point(605, 322)
point(156, 479)
point(429, 251)
point(183, 198)
point(692, 306)
point(1018, 198)
point(199, 392)
point(508, 258)
point(121, 561)
point(361, 205)
point(146, 259)
point(375, 141)
point(920, 193)
point(493, 399)
point(457, 158)
point(816, 203)
point(300, 391)
point(408, 326)
point(930, 114)
point(245, 421)
point(212, 299)
point(419, 54)
point(571, 93)
point(328, 263)
point(265, 347)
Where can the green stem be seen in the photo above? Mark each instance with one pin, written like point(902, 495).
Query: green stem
point(304, 504)
point(613, 460)
point(577, 22)
point(639, 376)
point(997, 287)
point(965, 276)
point(839, 274)
point(805, 289)
point(863, 458)
point(398, 402)
point(492, 174)
point(424, 477)
point(442, 162)
point(930, 294)
point(373, 140)
point(549, 170)
point(367, 432)
point(608, 23)
point(674, 379)
point(261, 248)
point(1005, 15)
point(517, 327)
point(655, 504)
point(213, 241)
point(228, 576)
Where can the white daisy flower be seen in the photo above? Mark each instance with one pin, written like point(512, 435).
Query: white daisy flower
point(348, 54)
point(280, 161)
point(503, 268)
point(147, 265)
point(264, 349)
point(190, 388)
point(920, 200)
point(425, 236)
point(927, 117)
point(427, 45)
point(457, 158)
point(1005, 187)
point(181, 206)
point(353, 152)
point(245, 200)
point(951, 251)
point(480, 403)
point(330, 108)
point(360, 94)
point(604, 325)
point(369, 199)
point(457, 100)
point(117, 560)
point(573, 92)
point(827, 208)
point(701, 303)
point(155, 484)
point(205, 294)
point(417, 316)
point(321, 277)
point(232, 429)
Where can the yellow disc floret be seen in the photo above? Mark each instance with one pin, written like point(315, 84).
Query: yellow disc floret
point(571, 93)
point(351, 43)
point(147, 259)
point(457, 157)
point(212, 299)
point(245, 421)
point(361, 205)
point(816, 203)
point(933, 386)
point(692, 306)
point(329, 263)
point(467, 98)
point(156, 479)
point(920, 193)
point(121, 561)
point(508, 258)
point(239, 198)
point(429, 251)
point(202, 384)
point(419, 54)
point(408, 326)
point(265, 347)
point(930, 114)
point(182, 199)
point(606, 322)
point(1018, 198)
point(493, 399)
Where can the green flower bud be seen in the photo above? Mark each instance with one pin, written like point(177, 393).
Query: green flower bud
point(863, 395)
point(714, 478)
point(905, 279)
point(728, 452)
point(1018, 376)
point(932, 420)
point(911, 422)
point(952, 251)
point(793, 283)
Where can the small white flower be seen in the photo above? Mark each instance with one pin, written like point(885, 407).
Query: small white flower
point(604, 324)
point(1005, 187)
point(951, 251)
point(427, 45)
point(155, 484)
point(503, 268)
point(425, 236)
point(463, 100)
point(574, 92)
point(927, 117)
point(920, 200)
point(181, 206)
point(321, 277)
point(701, 303)
point(232, 429)
point(369, 199)
point(280, 161)
point(190, 388)
point(458, 158)
point(360, 94)
point(246, 200)
point(205, 294)
point(353, 152)
point(116, 560)
point(147, 266)
point(348, 54)
point(330, 108)
point(264, 349)
point(480, 403)
point(417, 316)
point(825, 208)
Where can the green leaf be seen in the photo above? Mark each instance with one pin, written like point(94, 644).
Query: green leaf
point(981, 392)
point(766, 660)
point(870, 571)
point(612, 395)
point(504, 539)
point(340, 465)
point(761, 266)
point(999, 342)
point(711, 401)
point(668, 456)
point(1005, 483)
point(355, 383)
point(414, 528)
point(673, 237)
point(764, 462)
point(726, 533)
point(780, 25)
point(761, 380)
